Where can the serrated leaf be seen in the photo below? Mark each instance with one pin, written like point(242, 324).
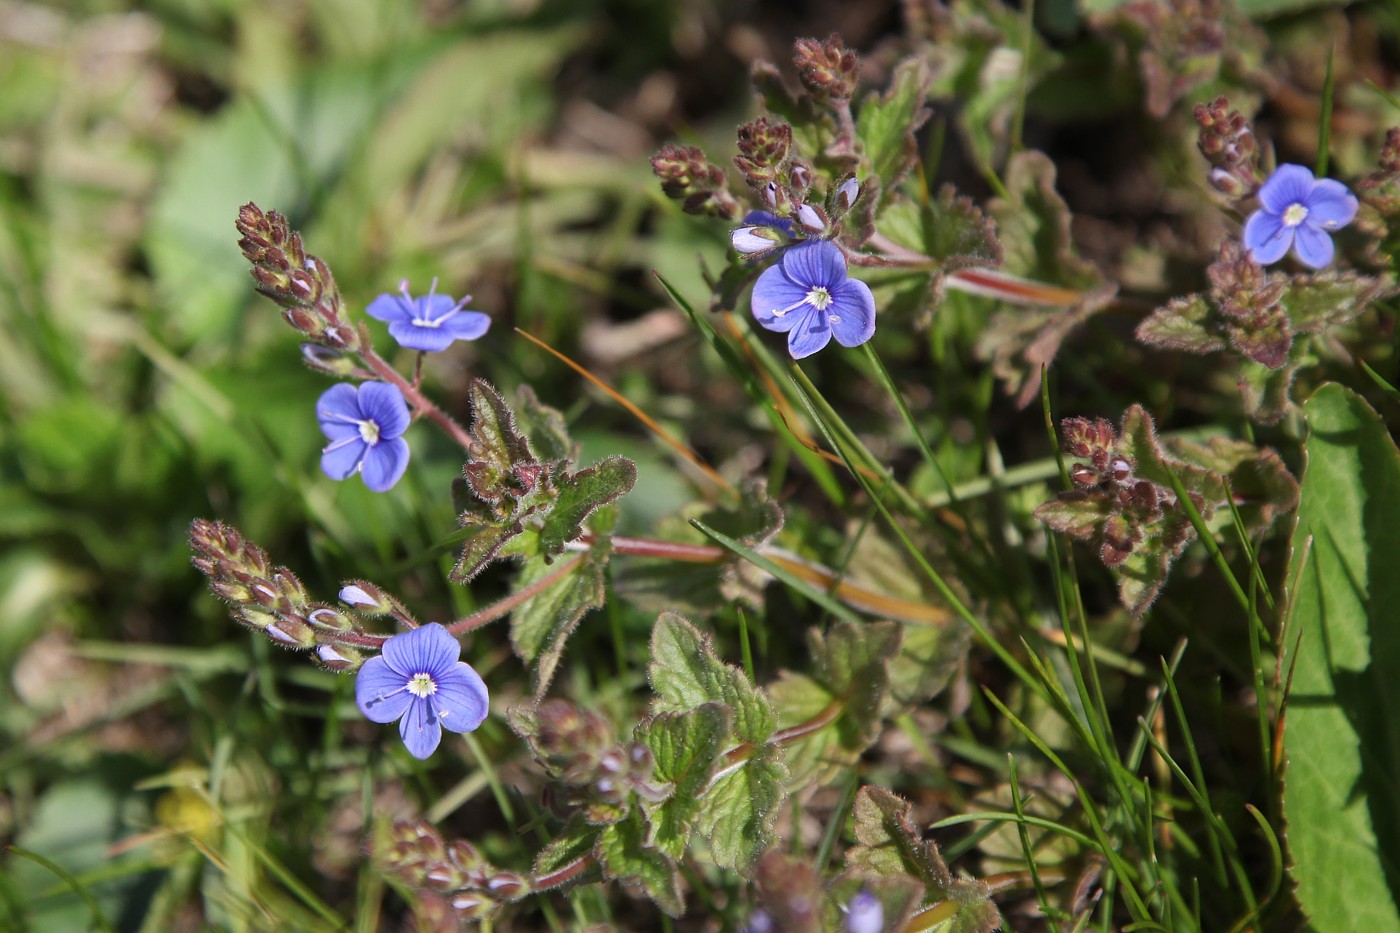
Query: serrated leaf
point(1182, 324)
point(1077, 513)
point(540, 626)
point(624, 855)
point(496, 448)
point(956, 232)
point(886, 125)
point(544, 426)
point(1020, 344)
point(888, 843)
point(1033, 223)
point(686, 673)
point(578, 494)
point(685, 747)
point(852, 663)
point(927, 660)
point(1261, 484)
point(741, 807)
point(573, 843)
point(799, 699)
point(1317, 301)
point(1137, 440)
point(1339, 734)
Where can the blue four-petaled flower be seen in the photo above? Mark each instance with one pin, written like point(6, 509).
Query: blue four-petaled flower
point(418, 680)
point(364, 425)
point(1300, 211)
point(808, 297)
point(429, 323)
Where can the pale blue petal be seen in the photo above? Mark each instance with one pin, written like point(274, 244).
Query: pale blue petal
point(467, 325)
point(380, 691)
point(778, 302)
point(1330, 206)
point(338, 402)
point(385, 464)
point(462, 699)
point(342, 458)
point(383, 404)
point(390, 308)
point(420, 337)
point(340, 430)
point(854, 309)
point(1290, 184)
point(813, 334)
point(1266, 237)
point(432, 307)
point(420, 730)
point(1313, 246)
point(428, 649)
point(815, 263)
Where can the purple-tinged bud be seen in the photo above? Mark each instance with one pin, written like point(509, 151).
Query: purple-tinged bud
point(291, 632)
point(304, 322)
point(812, 219)
point(471, 905)
point(366, 598)
point(800, 177)
point(865, 914)
point(764, 145)
point(1083, 475)
point(507, 885)
point(326, 360)
point(847, 193)
point(303, 287)
point(329, 619)
point(1120, 468)
point(1225, 182)
point(755, 239)
point(827, 69)
point(339, 658)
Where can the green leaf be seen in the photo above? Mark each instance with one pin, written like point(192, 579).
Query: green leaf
point(1266, 392)
point(886, 126)
point(544, 426)
point(853, 663)
point(1077, 513)
point(888, 842)
point(623, 852)
point(741, 807)
point(957, 233)
point(686, 673)
point(541, 624)
point(1182, 324)
point(574, 842)
point(578, 494)
point(1317, 301)
point(1034, 225)
point(1342, 746)
point(685, 747)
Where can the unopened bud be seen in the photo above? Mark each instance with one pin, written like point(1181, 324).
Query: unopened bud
point(812, 219)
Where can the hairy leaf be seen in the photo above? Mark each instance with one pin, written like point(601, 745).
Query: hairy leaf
point(578, 494)
point(887, 124)
point(741, 807)
point(686, 673)
point(541, 624)
point(625, 856)
point(1184, 324)
point(685, 747)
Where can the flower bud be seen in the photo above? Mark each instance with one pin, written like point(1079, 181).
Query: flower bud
point(812, 219)
point(339, 658)
point(366, 598)
point(826, 69)
point(326, 360)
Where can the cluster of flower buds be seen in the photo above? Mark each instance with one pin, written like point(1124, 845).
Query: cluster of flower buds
point(1227, 141)
point(267, 598)
point(474, 887)
point(827, 69)
point(594, 773)
point(1250, 302)
point(299, 282)
point(687, 176)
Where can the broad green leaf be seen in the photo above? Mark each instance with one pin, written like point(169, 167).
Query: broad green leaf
point(1317, 301)
point(1182, 324)
point(852, 663)
point(887, 124)
point(624, 854)
point(574, 842)
point(741, 807)
point(544, 426)
point(541, 624)
point(686, 673)
point(578, 494)
point(1034, 225)
point(685, 747)
point(1343, 831)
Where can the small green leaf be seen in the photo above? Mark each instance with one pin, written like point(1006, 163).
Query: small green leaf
point(573, 843)
point(541, 624)
point(886, 126)
point(544, 426)
point(1078, 514)
point(686, 673)
point(1320, 300)
point(1182, 324)
point(685, 747)
point(578, 494)
point(1340, 740)
point(1034, 225)
point(623, 852)
point(888, 842)
point(957, 233)
point(853, 663)
point(741, 807)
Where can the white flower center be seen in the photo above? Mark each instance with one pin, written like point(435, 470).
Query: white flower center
point(369, 431)
point(1294, 215)
point(422, 685)
point(819, 298)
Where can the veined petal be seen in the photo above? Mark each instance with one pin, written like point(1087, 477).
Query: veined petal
point(813, 334)
point(467, 325)
point(342, 458)
point(1289, 184)
point(854, 310)
point(462, 699)
point(420, 730)
point(339, 402)
point(413, 336)
point(815, 263)
point(380, 691)
point(385, 463)
point(340, 430)
point(1266, 237)
point(1313, 246)
point(390, 308)
point(432, 307)
point(778, 303)
point(1330, 206)
point(428, 649)
point(383, 404)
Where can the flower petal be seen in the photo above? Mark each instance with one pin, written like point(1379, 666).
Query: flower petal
point(778, 303)
point(1313, 246)
point(1289, 184)
point(431, 307)
point(420, 730)
point(341, 459)
point(467, 325)
point(813, 334)
point(337, 403)
point(380, 691)
point(412, 336)
point(1330, 206)
point(1266, 237)
point(428, 649)
point(385, 464)
point(388, 307)
point(383, 404)
point(854, 310)
point(815, 263)
point(462, 699)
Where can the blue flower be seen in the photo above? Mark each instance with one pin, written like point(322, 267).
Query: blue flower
point(808, 297)
point(865, 914)
point(429, 323)
point(363, 426)
point(418, 681)
point(1300, 211)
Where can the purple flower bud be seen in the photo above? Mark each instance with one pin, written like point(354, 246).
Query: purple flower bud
point(847, 193)
point(326, 360)
point(865, 914)
point(338, 658)
point(800, 177)
point(364, 595)
point(812, 219)
point(747, 240)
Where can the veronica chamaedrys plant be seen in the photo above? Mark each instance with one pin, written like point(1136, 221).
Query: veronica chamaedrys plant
point(1300, 211)
point(430, 322)
point(419, 681)
point(364, 425)
point(808, 296)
